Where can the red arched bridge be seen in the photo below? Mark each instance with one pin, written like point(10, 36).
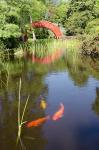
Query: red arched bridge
point(46, 24)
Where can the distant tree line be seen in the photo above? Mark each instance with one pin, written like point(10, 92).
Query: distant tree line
point(75, 16)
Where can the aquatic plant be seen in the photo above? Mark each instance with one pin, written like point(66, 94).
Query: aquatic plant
point(21, 118)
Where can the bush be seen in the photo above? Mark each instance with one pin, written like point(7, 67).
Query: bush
point(90, 45)
point(2, 47)
point(76, 23)
point(92, 27)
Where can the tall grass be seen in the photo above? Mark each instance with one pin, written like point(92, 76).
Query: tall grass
point(21, 118)
point(41, 48)
point(45, 47)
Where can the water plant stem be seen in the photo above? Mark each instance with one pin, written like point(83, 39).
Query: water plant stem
point(20, 118)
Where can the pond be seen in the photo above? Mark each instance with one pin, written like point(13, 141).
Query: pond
point(71, 81)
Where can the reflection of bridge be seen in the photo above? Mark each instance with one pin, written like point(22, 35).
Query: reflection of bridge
point(48, 59)
point(46, 24)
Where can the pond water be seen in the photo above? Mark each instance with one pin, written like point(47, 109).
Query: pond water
point(71, 80)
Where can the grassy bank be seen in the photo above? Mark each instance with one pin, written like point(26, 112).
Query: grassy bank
point(42, 48)
point(85, 45)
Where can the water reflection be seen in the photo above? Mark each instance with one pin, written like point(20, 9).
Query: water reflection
point(72, 80)
point(9, 79)
point(48, 59)
point(95, 106)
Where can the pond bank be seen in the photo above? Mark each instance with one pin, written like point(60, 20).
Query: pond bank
point(41, 48)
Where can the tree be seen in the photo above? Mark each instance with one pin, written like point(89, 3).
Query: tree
point(15, 18)
point(80, 12)
point(57, 13)
point(9, 17)
point(92, 27)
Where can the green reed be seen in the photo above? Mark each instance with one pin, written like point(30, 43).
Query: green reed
point(45, 47)
point(21, 117)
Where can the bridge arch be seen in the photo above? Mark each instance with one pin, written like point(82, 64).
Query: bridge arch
point(49, 25)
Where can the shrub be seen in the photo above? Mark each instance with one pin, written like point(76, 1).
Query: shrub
point(92, 27)
point(90, 45)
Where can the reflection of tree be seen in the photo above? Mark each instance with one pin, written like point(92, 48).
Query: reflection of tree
point(31, 85)
point(95, 106)
point(78, 75)
point(80, 68)
point(77, 69)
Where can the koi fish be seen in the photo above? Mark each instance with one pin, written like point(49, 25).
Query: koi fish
point(59, 113)
point(37, 122)
point(43, 104)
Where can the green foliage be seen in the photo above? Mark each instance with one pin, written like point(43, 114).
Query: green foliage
point(90, 45)
point(33, 8)
point(76, 23)
point(73, 15)
point(8, 21)
point(82, 5)
point(57, 14)
point(15, 17)
point(41, 33)
point(9, 30)
point(2, 46)
point(96, 9)
point(92, 27)
point(76, 16)
point(80, 12)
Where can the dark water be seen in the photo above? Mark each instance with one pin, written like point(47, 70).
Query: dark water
point(72, 80)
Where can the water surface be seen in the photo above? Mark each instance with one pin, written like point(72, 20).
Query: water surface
point(72, 80)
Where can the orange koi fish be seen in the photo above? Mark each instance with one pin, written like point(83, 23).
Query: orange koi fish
point(43, 104)
point(59, 113)
point(37, 122)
